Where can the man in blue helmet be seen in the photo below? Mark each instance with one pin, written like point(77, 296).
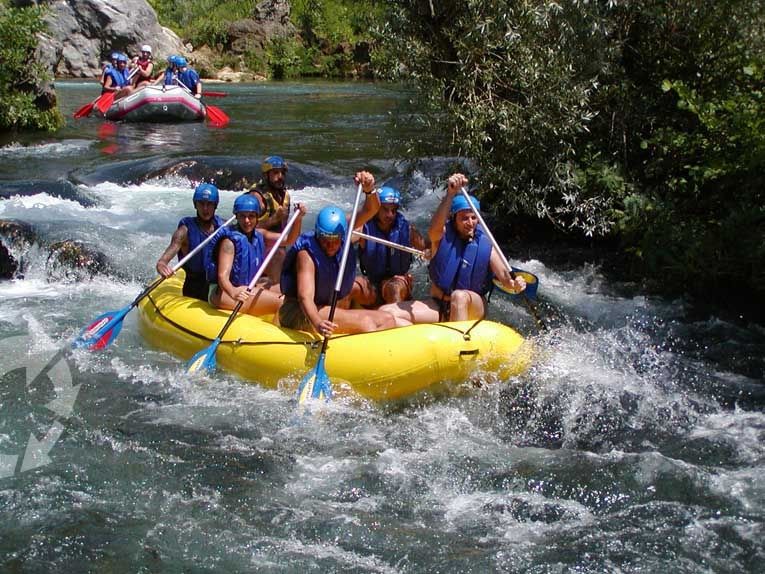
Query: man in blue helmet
point(188, 77)
point(236, 256)
point(168, 76)
point(310, 273)
point(385, 271)
point(115, 79)
point(274, 199)
point(461, 268)
point(191, 232)
point(108, 66)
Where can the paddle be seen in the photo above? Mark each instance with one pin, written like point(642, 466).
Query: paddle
point(205, 359)
point(532, 284)
point(105, 101)
point(382, 241)
point(507, 265)
point(209, 94)
point(105, 328)
point(316, 383)
point(85, 110)
point(217, 116)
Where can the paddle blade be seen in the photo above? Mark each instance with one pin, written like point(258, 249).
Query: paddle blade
point(84, 111)
point(102, 331)
point(204, 360)
point(105, 101)
point(217, 116)
point(532, 284)
point(209, 94)
point(315, 384)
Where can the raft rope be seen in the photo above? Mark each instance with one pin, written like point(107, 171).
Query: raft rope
point(312, 344)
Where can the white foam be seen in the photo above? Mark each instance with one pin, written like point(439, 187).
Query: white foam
point(46, 150)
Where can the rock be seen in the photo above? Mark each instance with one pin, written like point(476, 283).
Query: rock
point(271, 20)
point(75, 261)
point(82, 34)
point(15, 239)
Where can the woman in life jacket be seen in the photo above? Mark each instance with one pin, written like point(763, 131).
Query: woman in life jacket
point(310, 271)
point(237, 254)
point(116, 79)
point(144, 68)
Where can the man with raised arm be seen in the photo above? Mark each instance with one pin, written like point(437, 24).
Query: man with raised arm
point(461, 268)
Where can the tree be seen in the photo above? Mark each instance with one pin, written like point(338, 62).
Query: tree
point(24, 105)
point(639, 120)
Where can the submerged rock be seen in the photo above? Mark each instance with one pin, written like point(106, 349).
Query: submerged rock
point(76, 261)
point(15, 238)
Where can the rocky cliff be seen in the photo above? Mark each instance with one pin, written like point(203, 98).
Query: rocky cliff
point(82, 34)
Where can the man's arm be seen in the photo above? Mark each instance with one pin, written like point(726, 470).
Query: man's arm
point(503, 274)
point(178, 242)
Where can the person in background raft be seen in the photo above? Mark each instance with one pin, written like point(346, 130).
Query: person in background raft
point(112, 64)
point(116, 79)
point(310, 272)
point(145, 67)
point(238, 253)
point(191, 232)
point(461, 269)
point(274, 199)
point(168, 77)
point(385, 271)
point(188, 77)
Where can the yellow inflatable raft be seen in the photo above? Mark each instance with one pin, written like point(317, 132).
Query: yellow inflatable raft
point(381, 366)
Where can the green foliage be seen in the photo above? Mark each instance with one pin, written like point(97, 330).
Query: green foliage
point(283, 58)
point(641, 119)
point(322, 25)
point(20, 75)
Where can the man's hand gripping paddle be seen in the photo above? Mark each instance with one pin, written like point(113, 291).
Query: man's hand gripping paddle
point(507, 265)
point(105, 328)
point(316, 383)
point(205, 359)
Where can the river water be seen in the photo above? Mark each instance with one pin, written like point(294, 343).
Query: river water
point(634, 444)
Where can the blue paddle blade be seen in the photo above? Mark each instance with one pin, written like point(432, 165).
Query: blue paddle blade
point(102, 331)
point(315, 384)
point(532, 284)
point(204, 359)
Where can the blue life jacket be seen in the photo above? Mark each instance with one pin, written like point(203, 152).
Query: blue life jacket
point(326, 270)
point(169, 77)
point(248, 256)
point(462, 265)
point(378, 261)
point(119, 79)
point(197, 264)
point(189, 78)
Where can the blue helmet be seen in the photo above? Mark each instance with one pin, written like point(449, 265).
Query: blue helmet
point(459, 203)
point(121, 57)
point(206, 192)
point(247, 202)
point(273, 162)
point(180, 61)
point(331, 222)
point(172, 59)
point(115, 55)
point(389, 195)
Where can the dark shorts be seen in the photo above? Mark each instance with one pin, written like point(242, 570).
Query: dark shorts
point(195, 286)
point(291, 315)
point(444, 308)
